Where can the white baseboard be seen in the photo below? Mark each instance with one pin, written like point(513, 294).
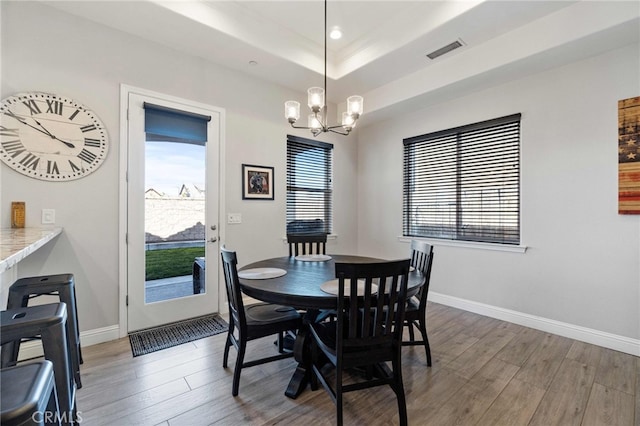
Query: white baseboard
point(583, 334)
point(33, 349)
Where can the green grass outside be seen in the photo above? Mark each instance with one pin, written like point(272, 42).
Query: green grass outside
point(171, 262)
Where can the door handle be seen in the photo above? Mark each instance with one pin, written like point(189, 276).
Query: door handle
point(214, 227)
point(213, 240)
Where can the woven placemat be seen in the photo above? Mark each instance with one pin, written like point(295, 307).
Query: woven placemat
point(177, 333)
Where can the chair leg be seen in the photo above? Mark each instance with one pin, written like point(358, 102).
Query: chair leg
point(314, 365)
point(398, 388)
point(402, 407)
point(227, 345)
point(427, 348)
point(411, 335)
point(242, 346)
point(339, 418)
point(280, 342)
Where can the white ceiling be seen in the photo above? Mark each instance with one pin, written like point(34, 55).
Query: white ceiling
point(382, 54)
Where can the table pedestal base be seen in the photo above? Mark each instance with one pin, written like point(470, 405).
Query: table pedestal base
point(298, 382)
point(302, 353)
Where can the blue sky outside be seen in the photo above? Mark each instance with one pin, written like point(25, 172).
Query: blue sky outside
point(168, 165)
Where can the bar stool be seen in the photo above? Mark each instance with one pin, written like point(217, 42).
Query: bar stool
point(61, 285)
point(28, 395)
point(48, 322)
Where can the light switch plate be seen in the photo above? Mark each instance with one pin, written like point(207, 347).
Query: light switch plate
point(48, 216)
point(234, 218)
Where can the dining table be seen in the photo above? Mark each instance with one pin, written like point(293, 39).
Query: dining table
point(301, 282)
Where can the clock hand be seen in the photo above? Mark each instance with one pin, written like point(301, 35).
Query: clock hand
point(69, 144)
point(43, 130)
point(21, 120)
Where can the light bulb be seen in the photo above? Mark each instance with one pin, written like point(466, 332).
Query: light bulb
point(315, 98)
point(347, 121)
point(314, 123)
point(355, 105)
point(292, 110)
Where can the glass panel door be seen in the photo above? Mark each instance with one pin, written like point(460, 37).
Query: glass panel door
point(172, 220)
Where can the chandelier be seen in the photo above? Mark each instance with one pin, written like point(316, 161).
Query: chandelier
point(318, 122)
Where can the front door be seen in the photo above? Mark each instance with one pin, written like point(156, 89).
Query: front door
point(172, 211)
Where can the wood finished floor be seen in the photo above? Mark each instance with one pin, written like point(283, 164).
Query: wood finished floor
point(485, 372)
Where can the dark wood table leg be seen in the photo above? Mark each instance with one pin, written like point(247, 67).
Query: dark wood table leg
point(302, 354)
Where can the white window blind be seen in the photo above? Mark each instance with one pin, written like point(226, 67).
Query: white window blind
point(464, 183)
point(309, 186)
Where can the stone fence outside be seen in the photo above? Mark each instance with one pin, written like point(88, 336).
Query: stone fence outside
point(174, 219)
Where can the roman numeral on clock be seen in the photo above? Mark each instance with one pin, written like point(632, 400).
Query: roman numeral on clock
point(72, 116)
point(13, 148)
point(54, 107)
point(87, 156)
point(94, 143)
point(52, 167)
point(30, 161)
point(5, 131)
point(88, 128)
point(74, 167)
point(33, 106)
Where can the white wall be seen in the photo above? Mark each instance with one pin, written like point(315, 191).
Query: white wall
point(44, 49)
point(582, 267)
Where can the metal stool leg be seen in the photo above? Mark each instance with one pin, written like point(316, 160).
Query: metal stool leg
point(60, 359)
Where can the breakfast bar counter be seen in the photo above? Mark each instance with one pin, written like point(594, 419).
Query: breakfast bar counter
point(18, 243)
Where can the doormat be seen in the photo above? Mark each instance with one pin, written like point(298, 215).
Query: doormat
point(166, 336)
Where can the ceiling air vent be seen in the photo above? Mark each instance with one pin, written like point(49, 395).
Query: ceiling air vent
point(446, 49)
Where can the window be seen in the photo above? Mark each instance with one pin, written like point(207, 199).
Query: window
point(464, 183)
point(309, 186)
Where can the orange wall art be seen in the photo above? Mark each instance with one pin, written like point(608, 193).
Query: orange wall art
point(629, 156)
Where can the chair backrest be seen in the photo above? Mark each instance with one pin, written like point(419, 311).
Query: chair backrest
point(370, 321)
point(232, 283)
point(422, 260)
point(307, 244)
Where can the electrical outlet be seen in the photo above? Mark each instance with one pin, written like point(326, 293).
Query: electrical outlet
point(234, 218)
point(48, 216)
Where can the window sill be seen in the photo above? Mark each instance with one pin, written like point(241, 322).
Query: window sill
point(468, 244)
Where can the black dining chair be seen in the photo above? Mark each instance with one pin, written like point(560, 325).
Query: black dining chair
point(252, 321)
point(301, 244)
point(367, 332)
point(416, 310)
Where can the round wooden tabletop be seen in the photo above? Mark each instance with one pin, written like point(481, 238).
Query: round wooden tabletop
point(300, 286)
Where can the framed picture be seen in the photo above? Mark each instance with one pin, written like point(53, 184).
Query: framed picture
point(257, 182)
point(629, 156)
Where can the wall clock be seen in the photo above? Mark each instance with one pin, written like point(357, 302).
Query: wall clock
point(50, 137)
